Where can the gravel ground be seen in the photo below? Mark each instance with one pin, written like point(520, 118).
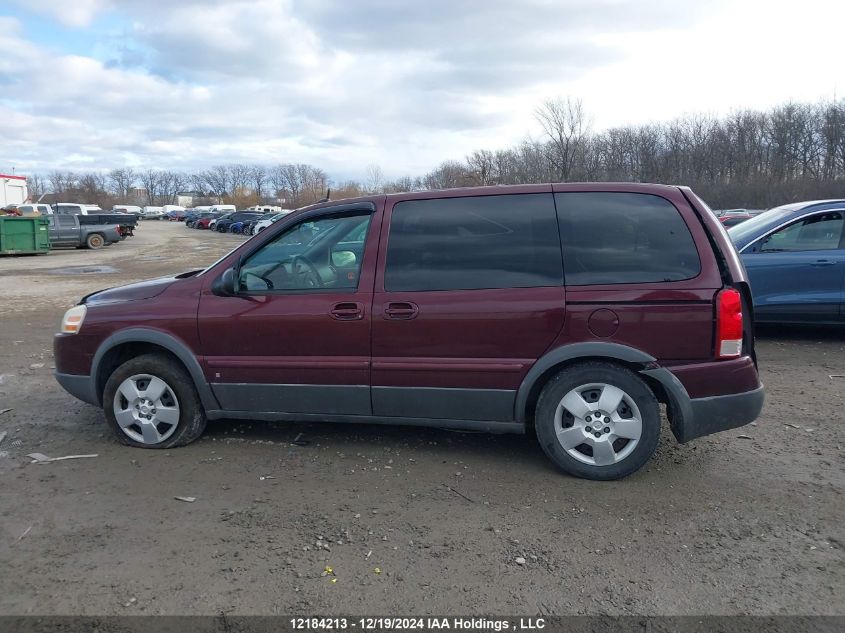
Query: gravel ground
point(407, 520)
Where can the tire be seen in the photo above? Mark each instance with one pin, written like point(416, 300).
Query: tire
point(95, 241)
point(176, 416)
point(571, 398)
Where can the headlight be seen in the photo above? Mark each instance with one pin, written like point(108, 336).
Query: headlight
point(73, 319)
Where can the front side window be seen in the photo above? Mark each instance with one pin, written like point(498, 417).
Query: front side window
point(622, 238)
point(321, 254)
point(817, 233)
point(471, 243)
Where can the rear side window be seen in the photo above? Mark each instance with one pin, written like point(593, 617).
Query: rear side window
point(623, 238)
point(816, 233)
point(470, 243)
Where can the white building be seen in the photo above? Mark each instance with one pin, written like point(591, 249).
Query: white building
point(12, 190)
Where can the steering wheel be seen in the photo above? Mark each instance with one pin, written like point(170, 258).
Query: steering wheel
point(302, 267)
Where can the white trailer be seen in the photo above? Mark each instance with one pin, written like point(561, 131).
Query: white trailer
point(12, 190)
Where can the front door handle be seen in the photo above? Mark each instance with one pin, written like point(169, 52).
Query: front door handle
point(401, 310)
point(823, 262)
point(348, 311)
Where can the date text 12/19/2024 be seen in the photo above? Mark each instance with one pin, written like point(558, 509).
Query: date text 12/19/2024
point(417, 624)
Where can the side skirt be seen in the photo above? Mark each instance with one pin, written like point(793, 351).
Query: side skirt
point(275, 416)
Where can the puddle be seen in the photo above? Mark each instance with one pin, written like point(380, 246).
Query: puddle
point(84, 270)
point(148, 258)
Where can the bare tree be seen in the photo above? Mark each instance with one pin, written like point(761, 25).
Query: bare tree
point(375, 179)
point(36, 184)
point(258, 178)
point(565, 123)
point(481, 164)
point(60, 182)
point(314, 181)
point(122, 180)
point(151, 182)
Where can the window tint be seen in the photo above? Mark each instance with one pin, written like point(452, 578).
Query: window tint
point(67, 220)
point(476, 242)
point(617, 238)
point(325, 253)
point(816, 233)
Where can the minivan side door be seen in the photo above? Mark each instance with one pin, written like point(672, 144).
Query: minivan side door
point(797, 272)
point(469, 293)
point(295, 338)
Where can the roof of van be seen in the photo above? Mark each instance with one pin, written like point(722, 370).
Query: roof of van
point(493, 190)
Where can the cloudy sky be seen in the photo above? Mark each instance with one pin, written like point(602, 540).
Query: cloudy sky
point(95, 84)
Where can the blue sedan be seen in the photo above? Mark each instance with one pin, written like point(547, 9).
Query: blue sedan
point(795, 258)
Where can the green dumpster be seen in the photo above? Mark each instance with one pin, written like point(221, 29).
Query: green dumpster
point(19, 236)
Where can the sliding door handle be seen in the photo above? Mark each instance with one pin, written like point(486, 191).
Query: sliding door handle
point(401, 310)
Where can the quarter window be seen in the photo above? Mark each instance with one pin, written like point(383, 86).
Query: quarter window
point(321, 254)
point(817, 233)
point(469, 243)
point(619, 238)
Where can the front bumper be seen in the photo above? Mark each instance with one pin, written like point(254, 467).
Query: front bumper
point(81, 387)
point(691, 418)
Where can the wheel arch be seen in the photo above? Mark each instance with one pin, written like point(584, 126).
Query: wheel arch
point(126, 344)
point(567, 355)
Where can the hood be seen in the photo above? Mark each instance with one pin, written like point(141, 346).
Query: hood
point(134, 292)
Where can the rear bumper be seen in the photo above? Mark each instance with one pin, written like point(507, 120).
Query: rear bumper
point(81, 387)
point(691, 418)
point(720, 413)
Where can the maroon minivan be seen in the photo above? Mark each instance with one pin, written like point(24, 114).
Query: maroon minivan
point(572, 309)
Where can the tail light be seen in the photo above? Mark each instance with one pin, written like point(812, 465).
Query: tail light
point(728, 323)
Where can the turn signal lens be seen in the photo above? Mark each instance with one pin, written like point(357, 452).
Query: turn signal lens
point(73, 319)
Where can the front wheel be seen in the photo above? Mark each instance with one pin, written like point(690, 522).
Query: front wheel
point(598, 421)
point(151, 402)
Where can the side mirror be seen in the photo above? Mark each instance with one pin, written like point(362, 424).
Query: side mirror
point(224, 285)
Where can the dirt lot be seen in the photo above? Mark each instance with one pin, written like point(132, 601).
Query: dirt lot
point(414, 521)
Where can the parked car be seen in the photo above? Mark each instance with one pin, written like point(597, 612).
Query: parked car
point(174, 212)
point(152, 213)
point(730, 219)
point(246, 229)
point(192, 218)
point(206, 221)
point(568, 310)
point(66, 230)
point(222, 225)
point(263, 223)
point(128, 208)
point(217, 217)
point(795, 258)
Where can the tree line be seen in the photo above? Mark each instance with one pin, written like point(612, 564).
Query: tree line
point(749, 158)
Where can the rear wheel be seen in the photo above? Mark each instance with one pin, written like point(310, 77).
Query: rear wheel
point(598, 421)
point(95, 241)
point(150, 401)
